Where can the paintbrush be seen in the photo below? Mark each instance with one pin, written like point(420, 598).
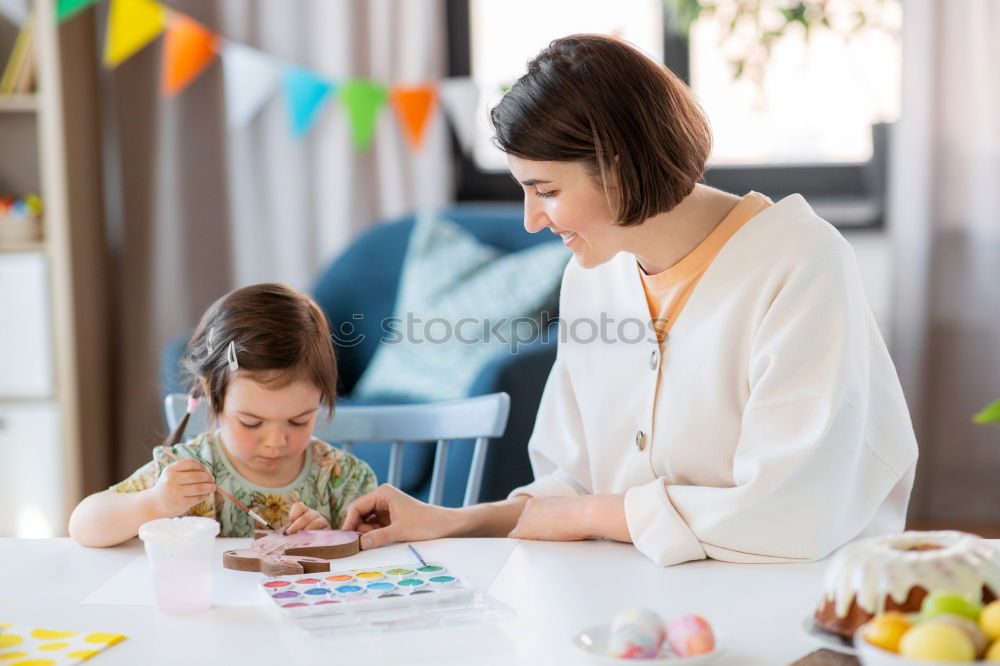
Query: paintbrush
point(229, 497)
point(414, 551)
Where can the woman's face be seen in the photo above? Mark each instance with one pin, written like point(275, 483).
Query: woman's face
point(565, 199)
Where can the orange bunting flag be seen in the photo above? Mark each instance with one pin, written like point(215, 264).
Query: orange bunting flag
point(188, 48)
point(414, 105)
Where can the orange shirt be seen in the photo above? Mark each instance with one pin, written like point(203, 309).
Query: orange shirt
point(667, 292)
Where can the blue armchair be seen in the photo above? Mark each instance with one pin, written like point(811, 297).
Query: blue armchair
point(358, 291)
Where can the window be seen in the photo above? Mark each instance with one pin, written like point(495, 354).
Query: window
point(809, 99)
point(506, 35)
point(815, 124)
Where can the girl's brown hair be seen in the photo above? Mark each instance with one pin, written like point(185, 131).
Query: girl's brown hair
point(600, 101)
point(280, 336)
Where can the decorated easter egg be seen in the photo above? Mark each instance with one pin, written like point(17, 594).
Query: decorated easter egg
point(631, 642)
point(937, 642)
point(886, 630)
point(642, 617)
point(949, 603)
point(689, 635)
point(636, 633)
point(989, 620)
point(970, 628)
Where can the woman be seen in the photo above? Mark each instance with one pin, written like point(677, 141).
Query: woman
point(759, 419)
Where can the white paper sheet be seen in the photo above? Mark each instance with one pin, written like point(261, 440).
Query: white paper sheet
point(132, 586)
point(477, 560)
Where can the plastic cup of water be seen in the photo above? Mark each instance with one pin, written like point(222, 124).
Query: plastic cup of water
point(180, 555)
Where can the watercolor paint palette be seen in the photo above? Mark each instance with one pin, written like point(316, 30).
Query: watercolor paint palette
point(360, 590)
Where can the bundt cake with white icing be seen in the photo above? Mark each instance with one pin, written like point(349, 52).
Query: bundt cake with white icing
point(896, 572)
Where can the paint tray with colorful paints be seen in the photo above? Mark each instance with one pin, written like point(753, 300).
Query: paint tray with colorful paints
point(358, 590)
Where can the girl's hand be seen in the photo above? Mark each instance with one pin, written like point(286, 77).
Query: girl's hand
point(552, 519)
point(387, 514)
point(301, 517)
point(182, 485)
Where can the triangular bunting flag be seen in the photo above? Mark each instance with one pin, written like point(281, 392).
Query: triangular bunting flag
point(16, 11)
point(306, 94)
point(414, 104)
point(362, 99)
point(251, 78)
point(67, 8)
point(131, 25)
point(460, 98)
point(188, 48)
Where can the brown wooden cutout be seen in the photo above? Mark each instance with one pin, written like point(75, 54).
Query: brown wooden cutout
point(308, 551)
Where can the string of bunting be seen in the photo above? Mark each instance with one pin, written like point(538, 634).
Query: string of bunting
point(252, 76)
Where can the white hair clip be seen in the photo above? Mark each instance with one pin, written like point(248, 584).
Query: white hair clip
point(231, 356)
point(210, 344)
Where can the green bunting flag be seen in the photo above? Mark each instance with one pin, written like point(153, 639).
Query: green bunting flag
point(67, 8)
point(362, 99)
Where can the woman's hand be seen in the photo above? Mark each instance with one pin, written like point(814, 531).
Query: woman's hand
point(387, 515)
point(301, 517)
point(573, 518)
point(550, 519)
point(182, 485)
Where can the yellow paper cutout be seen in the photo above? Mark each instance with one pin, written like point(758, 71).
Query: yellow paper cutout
point(131, 25)
point(83, 654)
point(7, 656)
point(49, 647)
point(35, 662)
point(50, 635)
point(10, 640)
point(110, 639)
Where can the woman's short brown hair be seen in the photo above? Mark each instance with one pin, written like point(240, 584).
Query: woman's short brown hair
point(598, 100)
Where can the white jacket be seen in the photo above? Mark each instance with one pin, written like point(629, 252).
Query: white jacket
point(769, 427)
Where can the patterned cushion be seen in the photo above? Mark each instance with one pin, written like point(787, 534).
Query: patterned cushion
point(460, 303)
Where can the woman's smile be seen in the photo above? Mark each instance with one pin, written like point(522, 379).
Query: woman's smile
point(567, 237)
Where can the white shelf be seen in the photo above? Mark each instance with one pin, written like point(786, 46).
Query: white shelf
point(25, 399)
point(22, 246)
point(53, 360)
point(18, 103)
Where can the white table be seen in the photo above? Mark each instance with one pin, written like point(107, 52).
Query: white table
point(556, 589)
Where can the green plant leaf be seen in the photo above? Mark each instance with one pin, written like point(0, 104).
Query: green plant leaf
point(686, 12)
point(989, 414)
point(795, 13)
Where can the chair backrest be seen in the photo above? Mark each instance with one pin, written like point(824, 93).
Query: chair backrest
point(478, 418)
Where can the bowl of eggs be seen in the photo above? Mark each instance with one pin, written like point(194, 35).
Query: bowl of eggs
point(948, 630)
point(639, 634)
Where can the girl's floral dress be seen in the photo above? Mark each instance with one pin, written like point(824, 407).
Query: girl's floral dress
point(329, 481)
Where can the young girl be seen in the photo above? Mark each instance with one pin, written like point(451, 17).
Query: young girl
point(263, 360)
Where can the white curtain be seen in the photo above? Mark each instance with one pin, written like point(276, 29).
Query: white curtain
point(296, 203)
point(945, 224)
point(196, 209)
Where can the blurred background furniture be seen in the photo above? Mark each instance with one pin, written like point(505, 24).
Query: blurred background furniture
point(479, 419)
point(54, 350)
point(358, 292)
